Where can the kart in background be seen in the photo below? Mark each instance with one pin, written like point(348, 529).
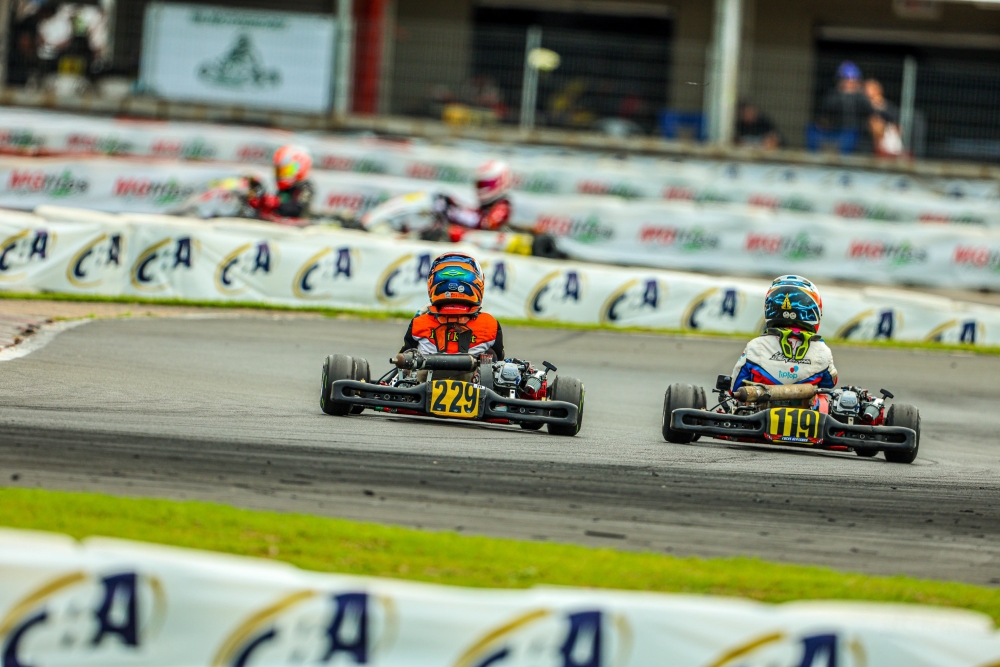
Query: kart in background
point(800, 415)
point(415, 216)
point(511, 391)
point(229, 198)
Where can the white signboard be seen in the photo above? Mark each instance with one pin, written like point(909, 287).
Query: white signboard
point(278, 60)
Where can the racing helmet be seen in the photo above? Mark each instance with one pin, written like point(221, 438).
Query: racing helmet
point(455, 285)
point(793, 301)
point(291, 165)
point(494, 179)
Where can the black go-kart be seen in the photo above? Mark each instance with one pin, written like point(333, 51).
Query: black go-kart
point(511, 391)
point(800, 415)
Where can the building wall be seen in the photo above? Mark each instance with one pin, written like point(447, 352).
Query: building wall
point(432, 47)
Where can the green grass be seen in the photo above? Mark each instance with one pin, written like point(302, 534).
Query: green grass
point(348, 547)
point(988, 350)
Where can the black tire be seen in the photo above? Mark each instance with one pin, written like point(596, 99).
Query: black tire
point(544, 245)
point(336, 367)
point(902, 414)
point(361, 374)
point(570, 390)
point(866, 453)
point(534, 426)
point(680, 396)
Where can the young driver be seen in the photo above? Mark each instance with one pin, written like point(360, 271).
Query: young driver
point(294, 197)
point(790, 351)
point(454, 322)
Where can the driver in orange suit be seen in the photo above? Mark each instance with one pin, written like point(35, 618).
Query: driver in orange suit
point(454, 322)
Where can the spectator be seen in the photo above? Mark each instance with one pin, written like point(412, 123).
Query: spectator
point(846, 108)
point(753, 128)
point(884, 122)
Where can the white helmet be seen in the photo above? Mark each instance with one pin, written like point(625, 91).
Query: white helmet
point(493, 180)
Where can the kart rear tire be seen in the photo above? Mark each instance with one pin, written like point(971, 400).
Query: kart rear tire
point(676, 397)
point(361, 374)
point(336, 367)
point(544, 245)
point(902, 414)
point(571, 390)
point(866, 453)
point(534, 426)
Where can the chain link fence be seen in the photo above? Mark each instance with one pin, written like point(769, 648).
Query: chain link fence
point(932, 102)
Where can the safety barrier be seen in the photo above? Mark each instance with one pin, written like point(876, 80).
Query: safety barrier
point(672, 235)
point(124, 603)
point(849, 193)
point(82, 252)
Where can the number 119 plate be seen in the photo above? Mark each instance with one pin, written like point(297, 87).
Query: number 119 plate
point(453, 398)
point(793, 425)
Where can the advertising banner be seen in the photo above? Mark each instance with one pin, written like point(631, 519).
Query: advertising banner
point(844, 193)
point(113, 602)
point(236, 260)
point(222, 55)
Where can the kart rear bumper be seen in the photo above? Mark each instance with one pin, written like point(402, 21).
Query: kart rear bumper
point(492, 405)
point(834, 433)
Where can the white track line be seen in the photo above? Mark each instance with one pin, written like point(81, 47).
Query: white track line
point(39, 339)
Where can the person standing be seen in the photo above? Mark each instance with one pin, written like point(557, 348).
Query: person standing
point(846, 109)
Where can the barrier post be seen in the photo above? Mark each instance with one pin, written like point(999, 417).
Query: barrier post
point(529, 86)
point(724, 62)
point(907, 100)
point(5, 11)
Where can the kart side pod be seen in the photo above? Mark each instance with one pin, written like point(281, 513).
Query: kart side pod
point(756, 393)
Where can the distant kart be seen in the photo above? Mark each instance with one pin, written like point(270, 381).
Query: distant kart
point(415, 216)
point(501, 392)
point(798, 415)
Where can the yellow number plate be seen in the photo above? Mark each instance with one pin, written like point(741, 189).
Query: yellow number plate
point(793, 425)
point(453, 398)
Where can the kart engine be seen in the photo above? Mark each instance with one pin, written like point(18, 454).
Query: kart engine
point(519, 379)
point(850, 403)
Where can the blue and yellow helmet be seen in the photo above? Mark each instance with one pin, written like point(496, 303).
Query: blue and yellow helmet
point(793, 301)
point(455, 285)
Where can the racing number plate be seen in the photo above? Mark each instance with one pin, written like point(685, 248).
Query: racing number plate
point(453, 398)
point(793, 425)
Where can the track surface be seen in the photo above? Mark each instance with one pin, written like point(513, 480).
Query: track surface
point(227, 410)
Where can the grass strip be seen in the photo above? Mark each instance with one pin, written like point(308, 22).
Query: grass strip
point(987, 350)
point(336, 545)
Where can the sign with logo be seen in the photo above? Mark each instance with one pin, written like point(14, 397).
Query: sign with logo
point(277, 60)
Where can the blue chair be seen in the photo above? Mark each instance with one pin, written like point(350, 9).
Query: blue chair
point(680, 124)
point(846, 141)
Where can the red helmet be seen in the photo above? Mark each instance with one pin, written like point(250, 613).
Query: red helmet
point(291, 166)
point(455, 285)
point(493, 180)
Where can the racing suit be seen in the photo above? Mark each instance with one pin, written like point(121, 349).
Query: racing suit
point(491, 217)
point(293, 202)
point(428, 335)
point(786, 356)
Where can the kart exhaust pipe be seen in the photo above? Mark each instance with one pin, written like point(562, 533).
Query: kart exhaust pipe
point(756, 393)
point(463, 363)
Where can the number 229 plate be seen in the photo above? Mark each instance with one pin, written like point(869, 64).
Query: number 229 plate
point(454, 398)
point(793, 425)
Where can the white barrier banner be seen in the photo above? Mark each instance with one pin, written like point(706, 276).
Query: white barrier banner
point(848, 193)
point(112, 602)
point(155, 256)
point(672, 235)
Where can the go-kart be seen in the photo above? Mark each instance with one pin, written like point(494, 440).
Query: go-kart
point(799, 415)
point(511, 391)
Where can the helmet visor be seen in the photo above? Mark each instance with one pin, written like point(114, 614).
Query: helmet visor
point(286, 171)
point(451, 274)
point(488, 184)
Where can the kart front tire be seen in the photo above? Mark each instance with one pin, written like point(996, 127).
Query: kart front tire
point(336, 367)
point(902, 414)
point(570, 390)
point(676, 397)
point(361, 374)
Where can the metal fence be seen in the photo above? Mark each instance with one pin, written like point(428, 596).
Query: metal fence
point(941, 102)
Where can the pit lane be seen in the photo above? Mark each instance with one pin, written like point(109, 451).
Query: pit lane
point(227, 410)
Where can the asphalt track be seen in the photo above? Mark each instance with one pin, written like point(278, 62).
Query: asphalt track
point(226, 409)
